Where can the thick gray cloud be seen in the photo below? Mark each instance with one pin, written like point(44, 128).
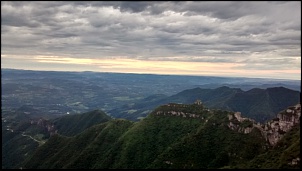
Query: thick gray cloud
point(235, 32)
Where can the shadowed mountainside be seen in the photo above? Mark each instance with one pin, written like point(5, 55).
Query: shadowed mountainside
point(172, 136)
point(21, 134)
point(259, 104)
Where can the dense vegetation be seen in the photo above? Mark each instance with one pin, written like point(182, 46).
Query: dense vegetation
point(15, 149)
point(70, 125)
point(165, 141)
point(283, 153)
point(21, 135)
point(81, 150)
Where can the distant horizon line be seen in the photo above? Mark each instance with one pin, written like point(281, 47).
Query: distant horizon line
point(156, 74)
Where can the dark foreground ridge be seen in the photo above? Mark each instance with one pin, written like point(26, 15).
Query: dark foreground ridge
point(178, 136)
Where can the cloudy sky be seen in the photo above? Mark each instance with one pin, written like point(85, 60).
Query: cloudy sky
point(241, 39)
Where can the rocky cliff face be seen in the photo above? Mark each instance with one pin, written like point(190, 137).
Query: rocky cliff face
point(45, 124)
point(273, 130)
point(240, 124)
point(276, 128)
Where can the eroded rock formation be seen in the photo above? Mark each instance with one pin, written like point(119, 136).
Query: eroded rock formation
point(273, 130)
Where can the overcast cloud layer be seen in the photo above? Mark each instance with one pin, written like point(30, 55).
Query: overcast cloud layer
point(245, 36)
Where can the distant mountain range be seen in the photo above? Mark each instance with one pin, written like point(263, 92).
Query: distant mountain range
point(259, 104)
point(58, 93)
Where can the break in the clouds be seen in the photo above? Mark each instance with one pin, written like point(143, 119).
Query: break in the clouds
point(253, 39)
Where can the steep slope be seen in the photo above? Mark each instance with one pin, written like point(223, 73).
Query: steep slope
point(71, 125)
point(213, 146)
point(134, 148)
point(282, 97)
point(22, 134)
point(263, 104)
point(150, 137)
point(176, 136)
point(15, 149)
point(80, 151)
point(20, 137)
point(284, 155)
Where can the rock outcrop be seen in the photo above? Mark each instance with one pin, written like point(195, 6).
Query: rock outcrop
point(175, 113)
point(276, 128)
point(181, 110)
point(273, 130)
point(45, 124)
point(240, 124)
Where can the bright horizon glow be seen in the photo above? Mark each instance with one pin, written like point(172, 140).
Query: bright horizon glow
point(126, 65)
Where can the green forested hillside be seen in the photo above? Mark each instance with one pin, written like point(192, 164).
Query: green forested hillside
point(80, 151)
point(21, 135)
point(19, 140)
point(213, 146)
point(70, 125)
point(263, 104)
point(281, 156)
point(170, 137)
point(15, 149)
point(146, 140)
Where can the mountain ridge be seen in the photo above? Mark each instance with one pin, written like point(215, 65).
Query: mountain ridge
point(270, 100)
point(171, 136)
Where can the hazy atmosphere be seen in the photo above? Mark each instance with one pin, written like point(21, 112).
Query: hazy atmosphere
point(240, 39)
